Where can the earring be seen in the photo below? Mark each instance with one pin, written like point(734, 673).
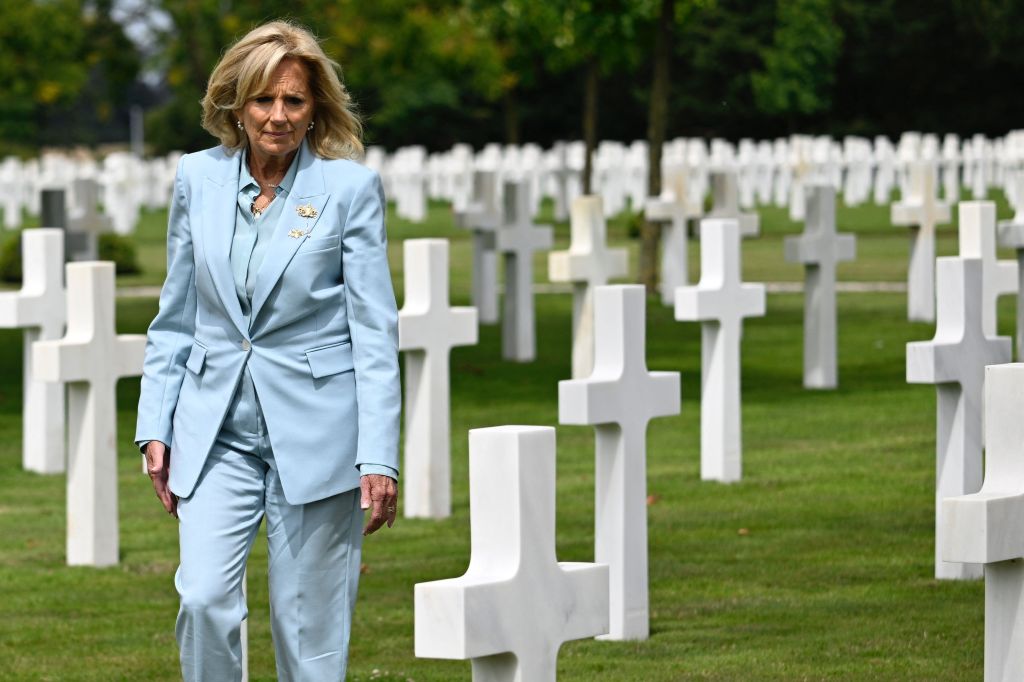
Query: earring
point(310, 125)
point(239, 124)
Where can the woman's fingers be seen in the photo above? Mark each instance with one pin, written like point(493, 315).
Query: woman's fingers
point(379, 494)
point(158, 460)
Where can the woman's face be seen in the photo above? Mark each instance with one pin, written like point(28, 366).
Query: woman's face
point(276, 119)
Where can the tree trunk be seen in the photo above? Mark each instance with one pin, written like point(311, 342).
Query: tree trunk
point(590, 122)
point(657, 123)
point(510, 104)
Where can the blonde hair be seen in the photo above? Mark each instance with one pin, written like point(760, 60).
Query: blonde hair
point(245, 70)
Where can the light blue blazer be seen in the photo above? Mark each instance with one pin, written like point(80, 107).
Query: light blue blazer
point(322, 342)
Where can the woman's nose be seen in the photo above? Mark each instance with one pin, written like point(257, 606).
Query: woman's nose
point(277, 112)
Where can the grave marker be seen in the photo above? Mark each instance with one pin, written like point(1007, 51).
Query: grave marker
point(428, 328)
point(39, 308)
point(955, 362)
point(517, 239)
point(482, 217)
point(978, 240)
point(82, 235)
point(90, 359)
point(588, 264)
point(619, 398)
point(673, 213)
point(12, 179)
point(516, 604)
point(720, 301)
point(725, 204)
point(819, 248)
point(921, 211)
point(988, 526)
point(1011, 235)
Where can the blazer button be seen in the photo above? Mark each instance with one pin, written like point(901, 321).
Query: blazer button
point(246, 345)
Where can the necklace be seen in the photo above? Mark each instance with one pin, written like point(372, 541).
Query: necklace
point(267, 185)
point(256, 210)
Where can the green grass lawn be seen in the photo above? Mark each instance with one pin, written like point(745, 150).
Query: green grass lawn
point(816, 566)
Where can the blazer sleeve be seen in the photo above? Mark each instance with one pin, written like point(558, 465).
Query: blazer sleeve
point(373, 324)
point(170, 336)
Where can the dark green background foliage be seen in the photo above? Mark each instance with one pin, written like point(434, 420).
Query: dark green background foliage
point(112, 247)
point(436, 72)
point(120, 249)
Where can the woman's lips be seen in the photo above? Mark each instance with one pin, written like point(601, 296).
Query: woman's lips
point(273, 134)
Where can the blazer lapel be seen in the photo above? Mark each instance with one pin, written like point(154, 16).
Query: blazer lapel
point(292, 229)
point(220, 203)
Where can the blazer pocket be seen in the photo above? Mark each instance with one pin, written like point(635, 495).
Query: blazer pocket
point(319, 244)
point(328, 360)
point(196, 359)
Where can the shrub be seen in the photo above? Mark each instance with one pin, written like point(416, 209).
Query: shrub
point(120, 249)
point(10, 257)
point(112, 247)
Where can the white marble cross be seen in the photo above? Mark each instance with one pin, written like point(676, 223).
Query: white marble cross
point(987, 527)
point(720, 301)
point(673, 212)
point(921, 211)
point(725, 204)
point(13, 180)
point(588, 264)
point(90, 359)
point(82, 236)
point(563, 179)
point(517, 239)
point(516, 604)
point(978, 240)
point(619, 399)
point(38, 307)
point(1011, 235)
point(482, 217)
point(428, 328)
point(820, 248)
point(955, 361)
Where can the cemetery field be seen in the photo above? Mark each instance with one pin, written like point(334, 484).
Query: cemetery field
point(818, 565)
point(881, 248)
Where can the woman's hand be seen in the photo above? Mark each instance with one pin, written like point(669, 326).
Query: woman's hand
point(381, 493)
point(158, 462)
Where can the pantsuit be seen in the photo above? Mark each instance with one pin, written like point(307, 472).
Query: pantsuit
point(276, 386)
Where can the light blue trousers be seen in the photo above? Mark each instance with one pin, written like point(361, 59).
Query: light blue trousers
point(314, 554)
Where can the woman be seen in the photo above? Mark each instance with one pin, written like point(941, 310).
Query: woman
point(271, 385)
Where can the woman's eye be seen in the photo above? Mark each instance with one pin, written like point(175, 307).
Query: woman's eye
point(295, 101)
point(263, 99)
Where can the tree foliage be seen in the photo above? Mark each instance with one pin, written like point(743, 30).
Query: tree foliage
point(66, 73)
point(40, 45)
point(799, 65)
point(436, 72)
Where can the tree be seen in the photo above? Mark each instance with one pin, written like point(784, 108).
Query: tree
point(799, 67)
point(597, 38)
point(418, 69)
point(668, 23)
point(424, 71)
point(657, 123)
point(520, 34)
point(40, 65)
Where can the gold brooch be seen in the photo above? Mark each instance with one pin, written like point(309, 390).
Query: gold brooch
point(296, 234)
point(306, 211)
